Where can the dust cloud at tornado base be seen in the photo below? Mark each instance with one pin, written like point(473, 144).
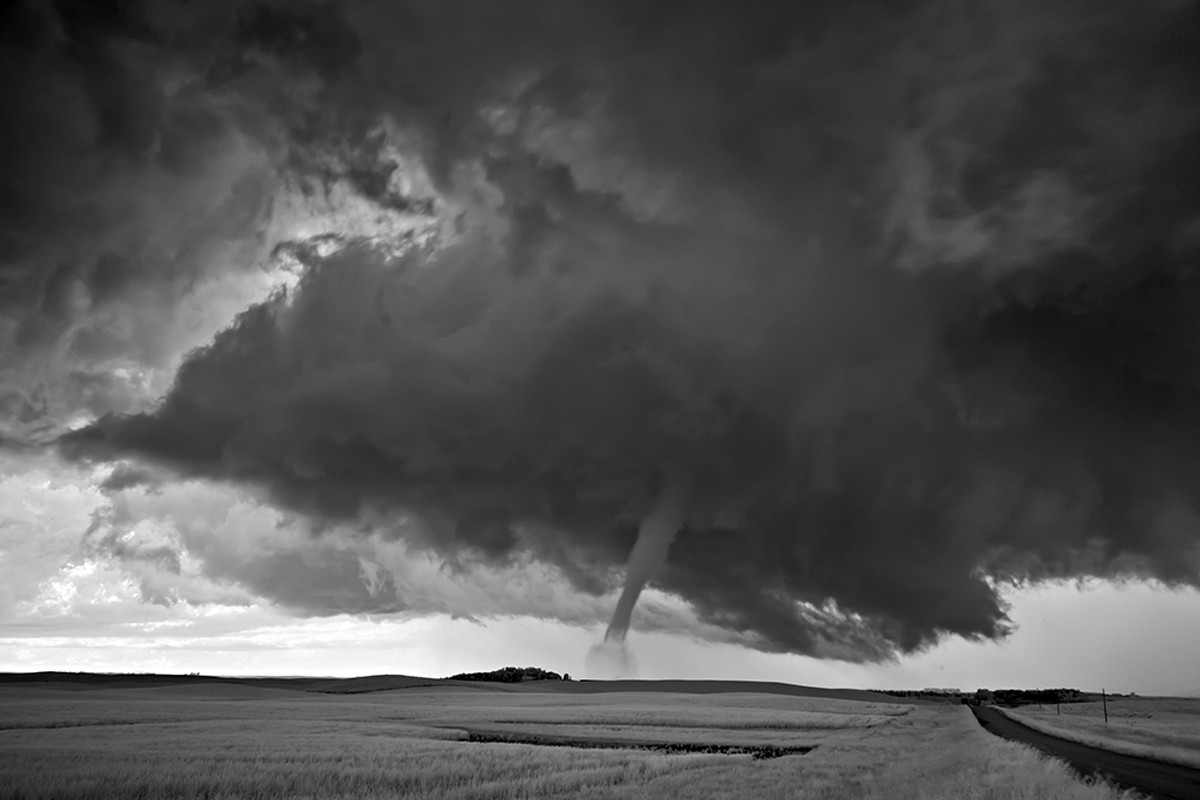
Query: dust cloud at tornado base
point(902, 296)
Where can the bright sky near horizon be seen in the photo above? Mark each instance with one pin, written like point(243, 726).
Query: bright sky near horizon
point(356, 336)
point(81, 612)
point(1058, 644)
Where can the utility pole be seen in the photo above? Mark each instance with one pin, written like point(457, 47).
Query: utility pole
point(1104, 700)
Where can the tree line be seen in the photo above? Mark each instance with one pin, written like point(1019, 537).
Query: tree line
point(511, 675)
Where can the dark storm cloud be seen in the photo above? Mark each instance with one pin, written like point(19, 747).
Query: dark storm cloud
point(149, 155)
point(903, 291)
point(121, 184)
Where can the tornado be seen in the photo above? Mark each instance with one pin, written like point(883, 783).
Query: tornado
point(611, 659)
point(649, 552)
point(655, 535)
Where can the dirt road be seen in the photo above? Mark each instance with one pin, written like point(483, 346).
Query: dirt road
point(1152, 778)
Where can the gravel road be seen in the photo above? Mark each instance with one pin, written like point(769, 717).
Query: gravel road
point(1152, 778)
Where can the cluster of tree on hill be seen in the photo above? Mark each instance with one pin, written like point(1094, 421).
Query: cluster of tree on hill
point(511, 675)
point(1003, 697)
point(1025, 697)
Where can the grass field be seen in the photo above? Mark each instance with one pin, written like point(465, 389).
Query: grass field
point(232, 741)
point(1163, 728)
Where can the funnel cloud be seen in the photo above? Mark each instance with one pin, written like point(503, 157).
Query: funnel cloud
point(654, 538)
point(861, 310)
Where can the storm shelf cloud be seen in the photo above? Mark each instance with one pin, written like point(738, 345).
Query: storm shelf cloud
point(827, 319)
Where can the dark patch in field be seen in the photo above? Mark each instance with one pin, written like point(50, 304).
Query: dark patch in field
point(755, 751)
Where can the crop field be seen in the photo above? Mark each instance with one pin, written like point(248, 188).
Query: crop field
point(234, 741)
point(1163, 728)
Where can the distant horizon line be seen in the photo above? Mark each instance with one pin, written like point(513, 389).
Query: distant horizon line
point(921, 690)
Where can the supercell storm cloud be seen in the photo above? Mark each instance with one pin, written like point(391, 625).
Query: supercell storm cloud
point(866, 307)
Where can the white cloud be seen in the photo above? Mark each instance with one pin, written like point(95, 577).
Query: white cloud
point(44, 510)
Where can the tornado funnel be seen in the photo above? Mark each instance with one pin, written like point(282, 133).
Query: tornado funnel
point(655, 535)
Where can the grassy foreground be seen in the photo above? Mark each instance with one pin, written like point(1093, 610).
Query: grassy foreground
point(223, 741)
point(1162, 728)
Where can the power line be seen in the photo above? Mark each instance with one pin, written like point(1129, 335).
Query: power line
point(1193, 681)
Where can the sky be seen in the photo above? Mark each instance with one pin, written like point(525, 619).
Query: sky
point(840, 343)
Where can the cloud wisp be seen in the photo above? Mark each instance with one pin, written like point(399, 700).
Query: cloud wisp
point(904, 294)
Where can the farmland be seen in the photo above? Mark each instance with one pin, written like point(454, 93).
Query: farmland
point(1161, 728)
point(229, 740)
